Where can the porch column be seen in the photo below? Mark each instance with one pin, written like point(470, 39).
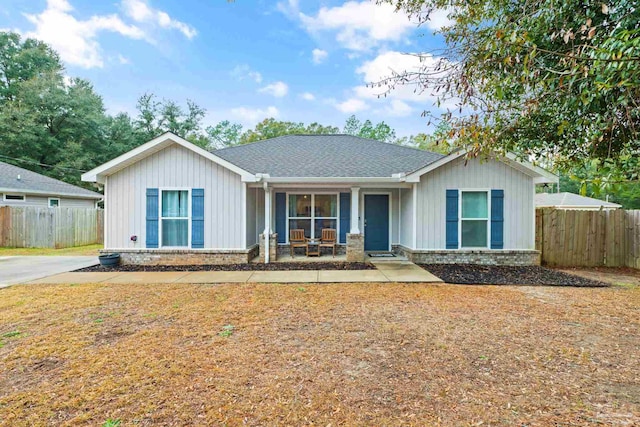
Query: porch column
point(355, 209)
point(355, 239)
point(267, 222)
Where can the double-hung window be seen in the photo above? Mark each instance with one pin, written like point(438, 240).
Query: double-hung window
point(175, 218)
point(474, 219)
point(313, 213)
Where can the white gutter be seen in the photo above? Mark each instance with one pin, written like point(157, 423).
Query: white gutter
point(52, 193)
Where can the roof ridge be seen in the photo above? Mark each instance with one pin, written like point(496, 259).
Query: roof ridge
point(331, 134)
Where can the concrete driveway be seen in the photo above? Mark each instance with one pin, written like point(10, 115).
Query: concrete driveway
point(22, 269)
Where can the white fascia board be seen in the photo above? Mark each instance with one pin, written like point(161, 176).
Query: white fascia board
point(539, 175)
point(51, 193)
point(153, 146)
point(332, 179)
point(415, 176)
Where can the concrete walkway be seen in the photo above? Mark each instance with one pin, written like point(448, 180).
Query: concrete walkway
point(22, 269)
point(386, 272)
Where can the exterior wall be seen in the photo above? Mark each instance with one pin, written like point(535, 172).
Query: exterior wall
point(174, 167)
point(464, 256)
point(43, 201)
point(519, 211)
point(252, 233)
point(406, 217)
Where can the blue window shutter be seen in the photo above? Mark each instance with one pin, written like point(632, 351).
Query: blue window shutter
point(197, 218)
point(152, 218)
point(345, 216)
point(452, 219)
point(281, 217)
point(497, 219)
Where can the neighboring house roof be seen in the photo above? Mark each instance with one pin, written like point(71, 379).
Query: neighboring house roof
point(571, 201)
point(326, 156)
point(19, 180)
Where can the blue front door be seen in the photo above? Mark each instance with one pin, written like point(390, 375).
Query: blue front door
point(376, 222)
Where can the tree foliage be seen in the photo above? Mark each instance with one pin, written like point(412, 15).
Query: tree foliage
point(546, 79)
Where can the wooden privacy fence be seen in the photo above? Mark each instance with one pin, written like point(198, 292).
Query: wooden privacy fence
point(43, 227)
point(582, 238)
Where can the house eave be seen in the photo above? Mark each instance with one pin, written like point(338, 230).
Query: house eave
point(333, 180)
point(539, 175)
point(157, 144)
point(51, 193)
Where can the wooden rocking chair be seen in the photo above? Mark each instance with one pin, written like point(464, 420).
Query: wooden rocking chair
point(329, 240)
point(297, 240)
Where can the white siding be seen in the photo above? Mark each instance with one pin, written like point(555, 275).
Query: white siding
point(260, 211)
point(174, 166)
point(31, 200)
point(252, 234)
point(519, 211)
point(406, 217)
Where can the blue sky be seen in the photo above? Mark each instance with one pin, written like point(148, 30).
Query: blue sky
point(242, 61)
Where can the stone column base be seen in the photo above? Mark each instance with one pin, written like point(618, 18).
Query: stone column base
point(355, 248)
point(273, 247)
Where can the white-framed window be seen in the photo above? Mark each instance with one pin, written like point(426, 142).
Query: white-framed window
point(13, 197)
point(54, 202)
point(312, 213)
point(175, 216)
point(474, 218)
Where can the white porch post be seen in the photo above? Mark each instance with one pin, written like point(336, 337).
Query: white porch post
point(414, 190)
point(355, 209)
point(267, 222)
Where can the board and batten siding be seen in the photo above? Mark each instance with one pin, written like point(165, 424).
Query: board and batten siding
point(406, 217)
point(174, 167)
point(43, 201)
point(519, 210)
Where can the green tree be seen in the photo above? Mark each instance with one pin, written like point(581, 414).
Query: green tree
point(158, 116)
point(380, 131)
point(546, 79)
point(224, 134)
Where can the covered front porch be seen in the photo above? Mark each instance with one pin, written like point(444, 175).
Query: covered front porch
point(362, 219)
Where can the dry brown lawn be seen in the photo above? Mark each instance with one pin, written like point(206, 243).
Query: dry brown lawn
point(350, 354)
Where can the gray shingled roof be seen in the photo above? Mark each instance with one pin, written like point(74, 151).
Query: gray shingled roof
point(570, 200)
point(34, 182)
point(326, 156)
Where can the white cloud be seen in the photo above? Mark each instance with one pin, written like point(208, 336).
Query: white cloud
point(243, 71)
point(277, 89)
point(123, 60)
point(389, 63)
point(352, 105)
point(250, 116)
point(439, 18)
point(73, 39)
point(140, 11)
point(398, 108)
point(308, 96)
point(358, 25)
point(319, 55)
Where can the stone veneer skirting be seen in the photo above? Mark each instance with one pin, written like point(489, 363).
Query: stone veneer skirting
point(184, 256)
point(470, 256)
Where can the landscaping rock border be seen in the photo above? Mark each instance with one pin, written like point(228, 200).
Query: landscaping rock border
point(469, 274)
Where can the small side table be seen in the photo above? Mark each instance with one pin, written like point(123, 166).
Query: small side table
point(313, 247)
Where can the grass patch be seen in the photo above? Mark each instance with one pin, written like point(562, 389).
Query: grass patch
point(344, 354)
point(89, 250)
